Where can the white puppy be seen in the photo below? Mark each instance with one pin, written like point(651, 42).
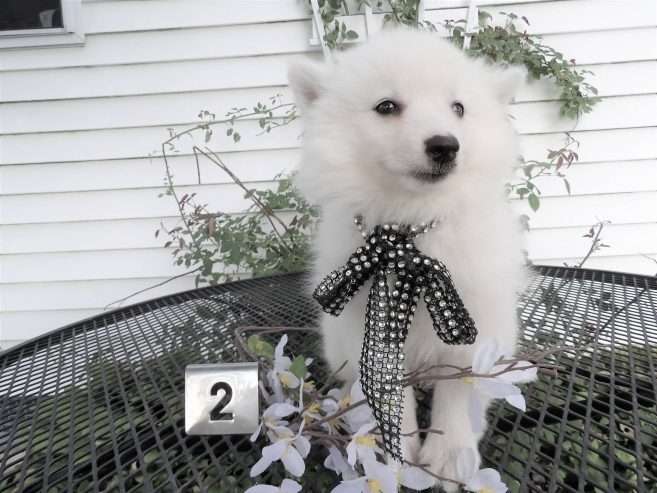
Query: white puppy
point(406, 128)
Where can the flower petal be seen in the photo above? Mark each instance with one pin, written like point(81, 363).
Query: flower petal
point(256, 433)
point(382, 473)
point(358, 416)
point(278, 352)
point(293, 462)
point(269, 454)
point(486, 478)
point(274, 451)
point(517, 401)
point(356, 393)
point(351, 453)
point(329, 406)
point(337, 394)
point(496, 388)
point(366, 454)
point(416, 479)
point(290, 486)
point(365, 429)
point(302, 444)
point(357, 485)
point(485, 356)
point(289, 379)
point(336, 462)
point(280, 410)
point(259, 467)
point(262, 488)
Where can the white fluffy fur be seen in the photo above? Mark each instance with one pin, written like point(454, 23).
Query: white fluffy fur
point(357, 161)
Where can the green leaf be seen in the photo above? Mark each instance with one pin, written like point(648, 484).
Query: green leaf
point(258, 346)
point(298, 367)
point(534, 202)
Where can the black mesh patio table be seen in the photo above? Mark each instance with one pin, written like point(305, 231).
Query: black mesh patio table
point(98, 405)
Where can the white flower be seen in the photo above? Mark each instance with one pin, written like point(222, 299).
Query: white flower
point(482, 481)
point(287, 486)
point(271, 418)
point(501, 386)
point(289, 448)
point(336, 462)
point(414, 478)
point(280, 375)
point(356, 417)
point(379, 478)
point(486, 481)
point(362, 446)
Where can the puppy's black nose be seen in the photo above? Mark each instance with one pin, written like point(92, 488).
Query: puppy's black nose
point(441, 148)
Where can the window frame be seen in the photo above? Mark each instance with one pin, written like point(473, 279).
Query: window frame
point(69, 35)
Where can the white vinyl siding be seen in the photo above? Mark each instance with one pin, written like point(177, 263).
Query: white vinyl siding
point(80, 204)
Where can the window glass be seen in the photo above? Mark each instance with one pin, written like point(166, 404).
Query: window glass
point(30, 14)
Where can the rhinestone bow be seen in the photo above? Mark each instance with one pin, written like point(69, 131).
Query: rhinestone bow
point(390, 253)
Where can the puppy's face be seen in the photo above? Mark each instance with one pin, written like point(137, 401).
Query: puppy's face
point(405, 113)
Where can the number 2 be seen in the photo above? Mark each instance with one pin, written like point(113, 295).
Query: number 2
point(215, 413)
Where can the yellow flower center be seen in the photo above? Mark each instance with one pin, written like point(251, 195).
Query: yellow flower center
point(486, 490)
point(470, 380)
point(313, 408)
point(345, 402)
point(375, 486)
point(366, 441)
point(309, 386)
point(286, 380)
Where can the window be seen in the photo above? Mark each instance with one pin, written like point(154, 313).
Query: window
point(26, 23)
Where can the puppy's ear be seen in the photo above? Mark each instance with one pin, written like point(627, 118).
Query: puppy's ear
point(307, 80)
point(508, 82)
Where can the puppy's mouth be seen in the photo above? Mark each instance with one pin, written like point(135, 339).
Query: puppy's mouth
point(435, 173)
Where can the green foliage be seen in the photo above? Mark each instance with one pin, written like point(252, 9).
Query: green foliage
point(258, 346)
point(510, 45)
point(271, 236)
point(530, 171)
point(336, 32)
point(403, 12)
point(503, 44)
point(298, 367)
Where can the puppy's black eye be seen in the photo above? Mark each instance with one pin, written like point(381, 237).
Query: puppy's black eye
point(387, 107)
point(458, 109)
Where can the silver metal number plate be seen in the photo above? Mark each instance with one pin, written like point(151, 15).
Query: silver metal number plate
point(221, 399)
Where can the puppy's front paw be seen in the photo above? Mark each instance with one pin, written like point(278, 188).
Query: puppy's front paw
point(441, 453)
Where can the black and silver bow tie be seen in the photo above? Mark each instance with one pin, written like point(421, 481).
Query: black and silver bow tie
point(390, 253)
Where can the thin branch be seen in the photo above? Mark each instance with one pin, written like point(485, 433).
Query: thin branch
point(331, 378)
point(241, 341)
point(424, 468)
point(205, 125)
point(341, 412)
point(594, 243)
point(423, 430)
point(152, 287)
point(267, 212)
point(173, 192)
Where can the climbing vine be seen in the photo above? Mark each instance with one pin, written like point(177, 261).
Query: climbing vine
point(271, 234)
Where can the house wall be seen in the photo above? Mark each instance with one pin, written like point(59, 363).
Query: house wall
point(79, 190)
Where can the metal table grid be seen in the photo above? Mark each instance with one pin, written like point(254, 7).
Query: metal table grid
point(97, 406)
